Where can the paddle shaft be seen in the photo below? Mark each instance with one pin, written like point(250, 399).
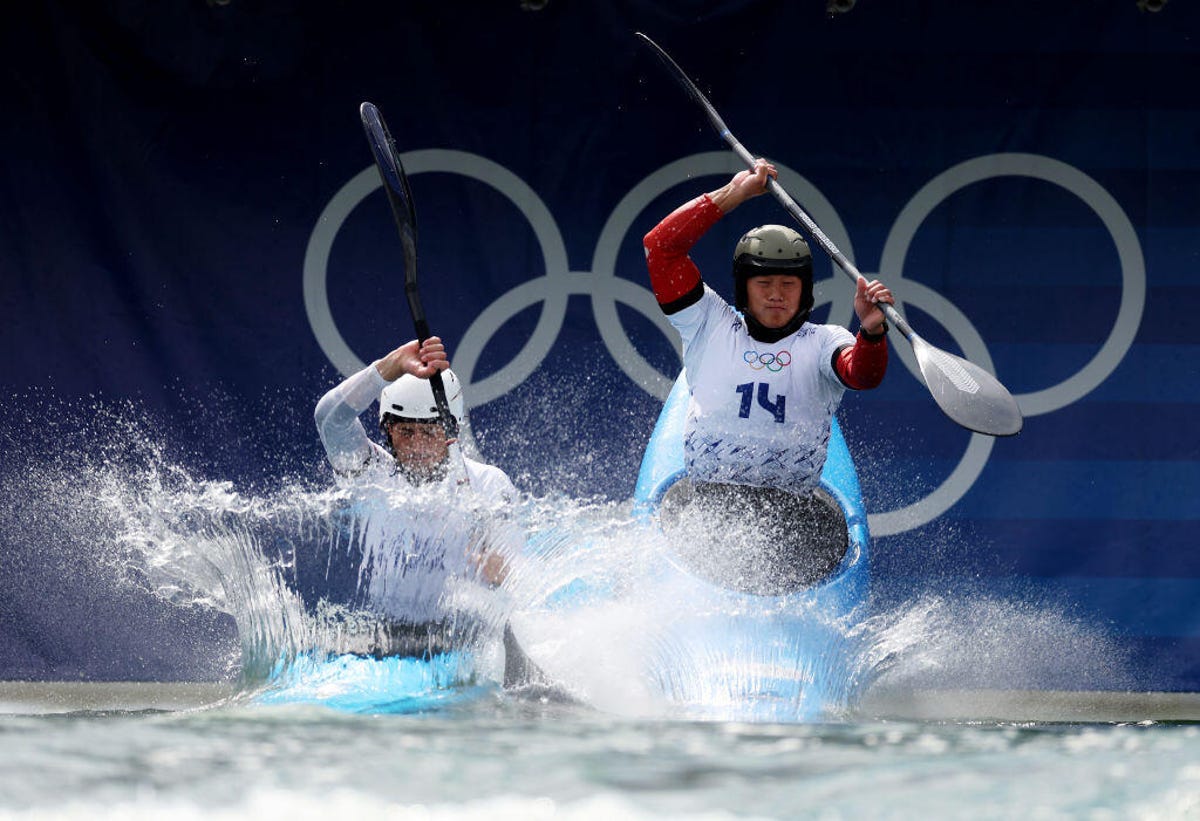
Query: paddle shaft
point(842, 261)
point(404, 212)
point(412, 294)
point(777, 190)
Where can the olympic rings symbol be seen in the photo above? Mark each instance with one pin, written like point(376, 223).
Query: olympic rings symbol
point(552, 288)
point(773, 362)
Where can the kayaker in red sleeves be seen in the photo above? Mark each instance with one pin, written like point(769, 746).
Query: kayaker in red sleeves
point(765, 382)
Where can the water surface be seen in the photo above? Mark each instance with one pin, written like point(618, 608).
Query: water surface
point(498, 756)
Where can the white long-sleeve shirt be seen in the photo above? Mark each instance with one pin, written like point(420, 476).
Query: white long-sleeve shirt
point(415, 538)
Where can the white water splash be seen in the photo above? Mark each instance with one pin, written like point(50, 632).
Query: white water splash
point(588, 596)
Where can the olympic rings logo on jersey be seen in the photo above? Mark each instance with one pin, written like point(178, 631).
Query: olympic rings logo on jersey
point(773, 362)
point(553, 287)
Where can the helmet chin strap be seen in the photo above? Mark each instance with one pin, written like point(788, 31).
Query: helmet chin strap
point(762, 333)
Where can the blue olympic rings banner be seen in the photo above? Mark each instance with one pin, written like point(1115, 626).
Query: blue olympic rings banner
point(194, 227)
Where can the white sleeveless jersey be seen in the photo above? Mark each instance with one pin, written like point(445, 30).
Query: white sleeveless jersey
point(760, 413)
point(414, 539)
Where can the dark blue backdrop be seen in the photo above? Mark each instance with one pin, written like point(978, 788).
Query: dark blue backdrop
point(181, 184)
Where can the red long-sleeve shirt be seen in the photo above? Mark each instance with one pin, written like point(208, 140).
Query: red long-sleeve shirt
point(676, 283)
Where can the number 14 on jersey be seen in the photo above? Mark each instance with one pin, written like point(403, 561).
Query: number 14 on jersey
point(776, 408)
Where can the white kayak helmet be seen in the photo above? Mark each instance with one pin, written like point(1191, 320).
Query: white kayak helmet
point(411, 398)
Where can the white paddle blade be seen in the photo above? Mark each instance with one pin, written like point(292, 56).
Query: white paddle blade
point(967, 393)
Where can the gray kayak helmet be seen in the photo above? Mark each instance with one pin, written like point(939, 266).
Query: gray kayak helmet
point(767, 250)
point(773, 246)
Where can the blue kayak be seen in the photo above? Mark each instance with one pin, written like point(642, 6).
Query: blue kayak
point(732, 626)
point(769, 636)
point(364, 684)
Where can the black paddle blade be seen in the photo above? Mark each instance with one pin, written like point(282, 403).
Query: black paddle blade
point(967, 393)
point(395, 183)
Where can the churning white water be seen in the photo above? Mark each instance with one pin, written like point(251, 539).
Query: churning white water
point(629, 716)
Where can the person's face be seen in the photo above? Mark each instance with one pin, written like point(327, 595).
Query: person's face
point(774, 299)
point(420, 447)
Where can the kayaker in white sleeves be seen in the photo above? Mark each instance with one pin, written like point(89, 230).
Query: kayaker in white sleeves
point(408, 419)
point(428, 517)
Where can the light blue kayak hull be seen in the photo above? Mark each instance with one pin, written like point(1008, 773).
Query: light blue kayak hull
point(363, 684)
point(716, 653)
point(760, 657)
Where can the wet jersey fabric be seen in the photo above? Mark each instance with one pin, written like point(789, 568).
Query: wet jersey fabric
point(415, 538)
point(760, 414)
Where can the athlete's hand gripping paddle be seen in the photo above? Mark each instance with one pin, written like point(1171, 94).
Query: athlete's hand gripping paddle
point(395, 183)
point(965, 392)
